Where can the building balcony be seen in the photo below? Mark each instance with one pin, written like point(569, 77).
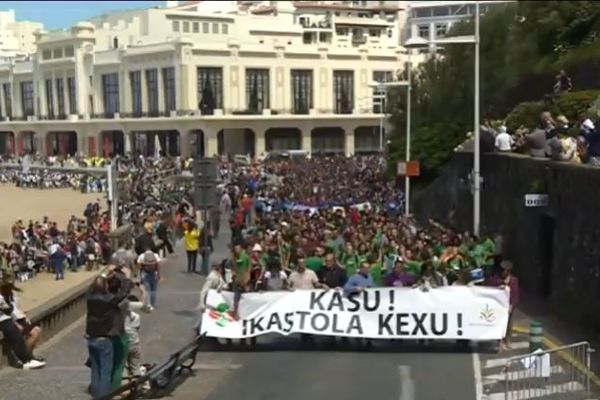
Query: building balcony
point(357, 21)
point(247, 112)
point(356, 39)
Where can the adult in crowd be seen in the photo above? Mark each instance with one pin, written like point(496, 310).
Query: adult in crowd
point(20, 334)
point(191, 237)
point(149, 263)
point(104, 323)
point(307, 219)
point(504, 142)
point(506, 280)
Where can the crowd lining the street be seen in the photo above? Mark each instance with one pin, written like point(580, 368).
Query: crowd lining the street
point(327, 222)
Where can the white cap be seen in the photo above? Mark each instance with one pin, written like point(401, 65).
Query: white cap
point(588, 124)
point(257, 247)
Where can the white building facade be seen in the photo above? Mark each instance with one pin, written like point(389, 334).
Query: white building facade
point(17, 38)
point(206, 78)
point(432, 20)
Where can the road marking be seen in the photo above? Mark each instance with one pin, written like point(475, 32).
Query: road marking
point(407, 385)
point(519, 345)
point(478, 380)
point(536, 393)
point(495, 363)
point(216, 367)
point(523, 374)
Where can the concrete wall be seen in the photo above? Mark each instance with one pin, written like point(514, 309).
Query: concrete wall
point(555, 249)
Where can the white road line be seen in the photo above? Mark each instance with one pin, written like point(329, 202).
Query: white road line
point(477, 376)
point(519, 345)
point(495, 363)
point(216, 366)
point(517, 375)
point(407, 386)
point(536, 393)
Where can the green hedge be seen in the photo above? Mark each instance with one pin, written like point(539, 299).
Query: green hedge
point(573, 105)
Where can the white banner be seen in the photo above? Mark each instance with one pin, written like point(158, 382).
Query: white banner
point(474, 313)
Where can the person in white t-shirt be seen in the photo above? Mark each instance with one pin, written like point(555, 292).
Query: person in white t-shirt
point(303, 278)
point(504, 142)
point(132, 307)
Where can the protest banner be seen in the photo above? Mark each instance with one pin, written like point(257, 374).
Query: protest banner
point(473, 313)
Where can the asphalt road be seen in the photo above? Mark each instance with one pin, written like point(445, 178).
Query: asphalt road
point(281, 368)
point(352, 374)
point(278, 368)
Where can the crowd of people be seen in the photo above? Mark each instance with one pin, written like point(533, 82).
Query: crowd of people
point(48, 179)
point(335, 223)
point(556, 138)
point(324, 222)
point(45, 246)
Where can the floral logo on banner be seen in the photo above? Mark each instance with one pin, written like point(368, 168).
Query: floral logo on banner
point(221, 314)
point(487, 314)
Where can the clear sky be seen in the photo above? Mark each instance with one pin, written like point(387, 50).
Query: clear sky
point(63, 14)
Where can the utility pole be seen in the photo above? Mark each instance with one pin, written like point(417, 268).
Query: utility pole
point(113, 193)
point(205, 198)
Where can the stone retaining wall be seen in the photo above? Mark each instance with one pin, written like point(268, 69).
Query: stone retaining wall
point(555, 249)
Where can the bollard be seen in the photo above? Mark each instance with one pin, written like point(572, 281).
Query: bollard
point(536, 336)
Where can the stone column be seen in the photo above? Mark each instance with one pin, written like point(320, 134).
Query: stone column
point(40, 141)
point(259, 142)
point(81, 83)
point(65, 79)
point(349, 142)
point(184, 142)
point(306, 139)
point(127, 141)
point(144, 87)
point(211, 145)
point(160, 90)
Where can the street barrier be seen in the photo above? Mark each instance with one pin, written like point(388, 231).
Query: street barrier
point(159, 377)
point(536, 336)
point(562, 371)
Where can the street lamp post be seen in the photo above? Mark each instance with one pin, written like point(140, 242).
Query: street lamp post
point(384, 86)
point(408, 137)
point(476, 148)
point(419, 42)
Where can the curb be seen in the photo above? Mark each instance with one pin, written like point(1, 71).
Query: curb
point(551, 342)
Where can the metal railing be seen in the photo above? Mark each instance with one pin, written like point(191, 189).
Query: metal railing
point(159, 377)
point(564, 371)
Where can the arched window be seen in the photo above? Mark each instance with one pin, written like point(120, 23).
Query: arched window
point(116, 42)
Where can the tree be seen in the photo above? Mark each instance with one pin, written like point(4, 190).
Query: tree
point(523, 46)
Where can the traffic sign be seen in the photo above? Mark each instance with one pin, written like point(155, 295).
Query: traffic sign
point(205, 183)
point(408, 168)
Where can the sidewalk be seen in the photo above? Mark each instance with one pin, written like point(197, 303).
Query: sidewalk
point(164, 331)
point(43, 287)
point(557, 333)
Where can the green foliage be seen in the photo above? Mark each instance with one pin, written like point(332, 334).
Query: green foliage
point(572, 105)
point(525, 114)
point(519, 42)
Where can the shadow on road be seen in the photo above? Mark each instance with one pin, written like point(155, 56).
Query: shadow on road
point(351, 345)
